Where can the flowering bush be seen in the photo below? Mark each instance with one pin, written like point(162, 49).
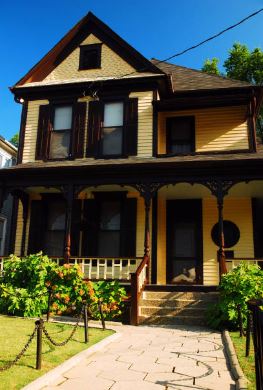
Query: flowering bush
point(27, 282)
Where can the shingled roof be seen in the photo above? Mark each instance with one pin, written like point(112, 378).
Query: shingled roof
point(187, 79)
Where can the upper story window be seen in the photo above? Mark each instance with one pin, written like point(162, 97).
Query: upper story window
point(180, 135)
point(61, 132)
point(90, 57)
point(112, 130)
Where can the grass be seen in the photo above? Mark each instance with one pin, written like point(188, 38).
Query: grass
point(246, 363)
point(14, 333)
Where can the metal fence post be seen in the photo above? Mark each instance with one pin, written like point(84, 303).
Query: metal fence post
point(248, 332)
point(101, 315)
point(86, 325)
point(39, 323)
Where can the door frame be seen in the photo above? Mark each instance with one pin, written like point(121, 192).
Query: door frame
point(192, 206)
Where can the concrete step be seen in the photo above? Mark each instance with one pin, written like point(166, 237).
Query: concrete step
point(175, 303)
point(169, 311)
point(207, 296)
point(172, 320)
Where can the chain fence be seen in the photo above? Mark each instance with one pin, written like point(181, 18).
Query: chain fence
point(21, 353)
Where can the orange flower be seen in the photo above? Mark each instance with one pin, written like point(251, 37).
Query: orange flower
point(67, 266)
point(81, 292)
point(66, 299)
point(48, 283)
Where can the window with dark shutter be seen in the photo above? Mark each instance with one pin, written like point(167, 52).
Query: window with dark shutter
point(43, 132)
point(112, 128)
point(180, 135)
point(79, 121)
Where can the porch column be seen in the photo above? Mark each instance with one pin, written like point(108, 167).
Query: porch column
point(68, 192)
point(147, 191)
point(24, 198)
point(220, 189)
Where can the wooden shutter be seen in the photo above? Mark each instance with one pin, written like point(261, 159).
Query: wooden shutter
point(94, 127)
point(78, 133)
point(128, 227)
point(90, 228)
point(75, 227)
point(36, 228)
point(131, 126)
point(43, 132)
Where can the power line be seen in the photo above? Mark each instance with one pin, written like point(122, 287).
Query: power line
point(192, 47)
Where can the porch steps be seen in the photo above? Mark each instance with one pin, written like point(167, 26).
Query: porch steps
point(175, 308)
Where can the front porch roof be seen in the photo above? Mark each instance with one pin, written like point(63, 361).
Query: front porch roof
point(193, 168)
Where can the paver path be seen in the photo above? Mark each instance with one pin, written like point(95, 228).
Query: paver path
point(154, 358)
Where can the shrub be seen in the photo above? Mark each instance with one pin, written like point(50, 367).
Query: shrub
point(243, 283)
point(111, 296)
point(27, 281)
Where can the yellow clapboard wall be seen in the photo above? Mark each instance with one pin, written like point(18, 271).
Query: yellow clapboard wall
point(216, 129)
point(237, 210)
point(144, 125)
point(111, 64)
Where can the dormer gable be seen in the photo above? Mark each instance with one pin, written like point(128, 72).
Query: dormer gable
point(62, 61)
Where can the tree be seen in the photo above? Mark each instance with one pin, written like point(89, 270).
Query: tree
point(241, 64)
point(211, 66)
point(15, 140)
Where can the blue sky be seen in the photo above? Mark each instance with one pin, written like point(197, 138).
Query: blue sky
point(157, 29)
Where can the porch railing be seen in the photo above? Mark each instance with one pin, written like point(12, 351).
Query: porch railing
point(138, 281)
point(232, 263)
point(96, 268)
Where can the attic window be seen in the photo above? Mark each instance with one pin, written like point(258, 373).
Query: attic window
point(90, 56)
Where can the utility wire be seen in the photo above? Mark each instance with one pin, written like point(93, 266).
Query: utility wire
point(192, 47)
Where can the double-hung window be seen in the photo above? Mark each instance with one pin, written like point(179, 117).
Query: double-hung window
point(111, 143)
point(180, 135)
point(61, 132)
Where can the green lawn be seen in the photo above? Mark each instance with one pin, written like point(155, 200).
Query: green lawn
point(14, 333)
point(246, 363)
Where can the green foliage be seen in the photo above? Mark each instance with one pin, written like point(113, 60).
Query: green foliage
point(111, 296)
point(15, 140)
point(245, 65)
point(236, 288)
point(27, 281)
point(211, 66)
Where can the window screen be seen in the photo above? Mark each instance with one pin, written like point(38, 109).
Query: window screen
point(60, 135)
point(112, 131)
point(180, 135)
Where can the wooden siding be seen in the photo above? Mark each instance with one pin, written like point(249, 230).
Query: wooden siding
point(145, 123)
point(111, 65)
point(237, 210)
point(19, 229)
point(216, 129)
point(31, 130)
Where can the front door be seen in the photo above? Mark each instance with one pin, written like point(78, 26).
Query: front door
point(184, 241)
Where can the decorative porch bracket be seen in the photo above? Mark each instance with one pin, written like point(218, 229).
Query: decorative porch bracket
point(220, 188)
point(147, 192)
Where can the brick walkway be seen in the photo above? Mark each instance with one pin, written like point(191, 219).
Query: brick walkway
point(154, 358)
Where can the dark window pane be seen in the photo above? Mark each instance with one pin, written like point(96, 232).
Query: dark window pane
point(59, 144)
point(56, 216)
point(112, 141)
point(184, 240)
point(180, 135)
point(55, 228)
point(109, 243)
point(181, 148)
point(54, 243)
point(90, 59)
point(110, 218)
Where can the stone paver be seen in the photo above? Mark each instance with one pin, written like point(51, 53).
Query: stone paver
point(154, 358)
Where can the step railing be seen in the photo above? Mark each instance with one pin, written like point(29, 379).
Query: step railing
point(232, 263)
point(138, 281)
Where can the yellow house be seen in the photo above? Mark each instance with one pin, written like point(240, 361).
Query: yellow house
point(136, 167)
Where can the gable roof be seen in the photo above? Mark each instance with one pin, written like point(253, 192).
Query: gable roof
point(89, 24)
point(187, 79)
